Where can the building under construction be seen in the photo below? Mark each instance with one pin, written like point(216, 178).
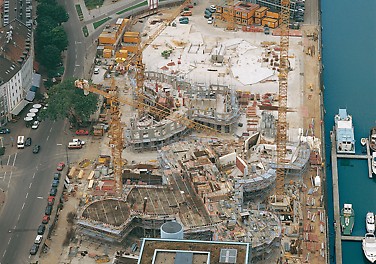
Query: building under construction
point(214, 106)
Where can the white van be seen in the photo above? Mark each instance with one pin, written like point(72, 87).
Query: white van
point(21, 142)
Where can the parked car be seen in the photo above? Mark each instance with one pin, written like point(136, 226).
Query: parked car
point(57, 175)
point(60, 166)
point(41, 229)
point(34, 249)
point(35, 124)
point(48, 210)
point(28, 142)
point(96, 70)
point(36, 149)
point(53, 192)
point(38, 239)
point(82, 132)
point(4, 130)
point(55, 183)
point(51, 200)
point(45, 219)
point(210, 20)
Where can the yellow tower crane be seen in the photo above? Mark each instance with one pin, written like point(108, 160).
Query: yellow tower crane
point(282, 96)
point(116, 133)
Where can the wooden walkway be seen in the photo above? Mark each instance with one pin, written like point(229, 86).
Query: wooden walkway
point(337, 226)
point(351, 156)
point(369, 159)
point(352, 238)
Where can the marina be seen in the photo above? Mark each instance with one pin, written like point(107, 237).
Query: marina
point(345, 86)
point(339, 214)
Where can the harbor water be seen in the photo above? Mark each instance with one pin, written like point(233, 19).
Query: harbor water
point(349, 77)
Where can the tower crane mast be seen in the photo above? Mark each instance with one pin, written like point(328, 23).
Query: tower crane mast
point(282, 96)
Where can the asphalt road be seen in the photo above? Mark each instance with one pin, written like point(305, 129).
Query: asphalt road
point(27, 178)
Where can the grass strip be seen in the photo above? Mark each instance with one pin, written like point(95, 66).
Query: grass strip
point(132, 7)
point(86, 31)
point(79, 12)
point(100, 22)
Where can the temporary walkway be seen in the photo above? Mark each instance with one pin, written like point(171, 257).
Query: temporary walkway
point(337, 226)
point(352, 238)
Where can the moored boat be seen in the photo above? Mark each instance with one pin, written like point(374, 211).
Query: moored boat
point(373, 163)
point(344, 129)
point(369, 247)
point(347, 219)
point(363, 141)
point(372, 139)
point(370, 222)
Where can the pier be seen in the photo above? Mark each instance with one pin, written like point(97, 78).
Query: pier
point(354, 156)
point(337, 226)
point(369, 159)
point(351, 238)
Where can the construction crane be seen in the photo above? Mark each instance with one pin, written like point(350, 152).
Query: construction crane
point(282, 96)
point(136, 59)
point(116, 133)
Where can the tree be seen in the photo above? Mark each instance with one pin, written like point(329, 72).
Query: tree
point(67, 101)
point(53, 10)
point(59, 38)
point(49, 57)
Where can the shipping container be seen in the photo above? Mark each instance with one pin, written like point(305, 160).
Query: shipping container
point(261, 12)
point(272, 15)
point(270, 22)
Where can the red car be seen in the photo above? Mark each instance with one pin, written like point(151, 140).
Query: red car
point(45, 219)
point(82, 132)
point(60, 166)
point(51, 200)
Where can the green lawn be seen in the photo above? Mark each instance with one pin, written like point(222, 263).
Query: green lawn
point(79, 12)
point(100, 22)
point(132, 7)
point(92, 4)
point(86, 32)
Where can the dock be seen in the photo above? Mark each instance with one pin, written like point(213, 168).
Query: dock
point(352, 156)
point(351, 238)
point(337, 226)
point(369, 159)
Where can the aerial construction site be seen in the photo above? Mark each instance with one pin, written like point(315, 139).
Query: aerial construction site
point(208, 141)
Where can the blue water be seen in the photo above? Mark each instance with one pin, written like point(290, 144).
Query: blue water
point(349, 57)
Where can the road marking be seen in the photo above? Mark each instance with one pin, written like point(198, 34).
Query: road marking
point(30, 185)
point(33, 175)
point(59, 144)
point(39, 197)
point(10, 178)
point(19, 217)
point(9, 240)
point(4, 253)
point(77, 65)
point(27, 194)
point(23, 206)
point(14, 161)
point(8, 160)
point(50, 129)
point(78, 42)
point(48, 137)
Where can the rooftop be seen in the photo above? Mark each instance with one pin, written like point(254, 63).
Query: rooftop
point(15, 42)
point(158, 251)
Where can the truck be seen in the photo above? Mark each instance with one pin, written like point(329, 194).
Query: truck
point(74, 145)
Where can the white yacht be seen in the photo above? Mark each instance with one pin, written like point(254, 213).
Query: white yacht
point(369, 247)
point(344, 130)
point(373, 162)
point(370, 222)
